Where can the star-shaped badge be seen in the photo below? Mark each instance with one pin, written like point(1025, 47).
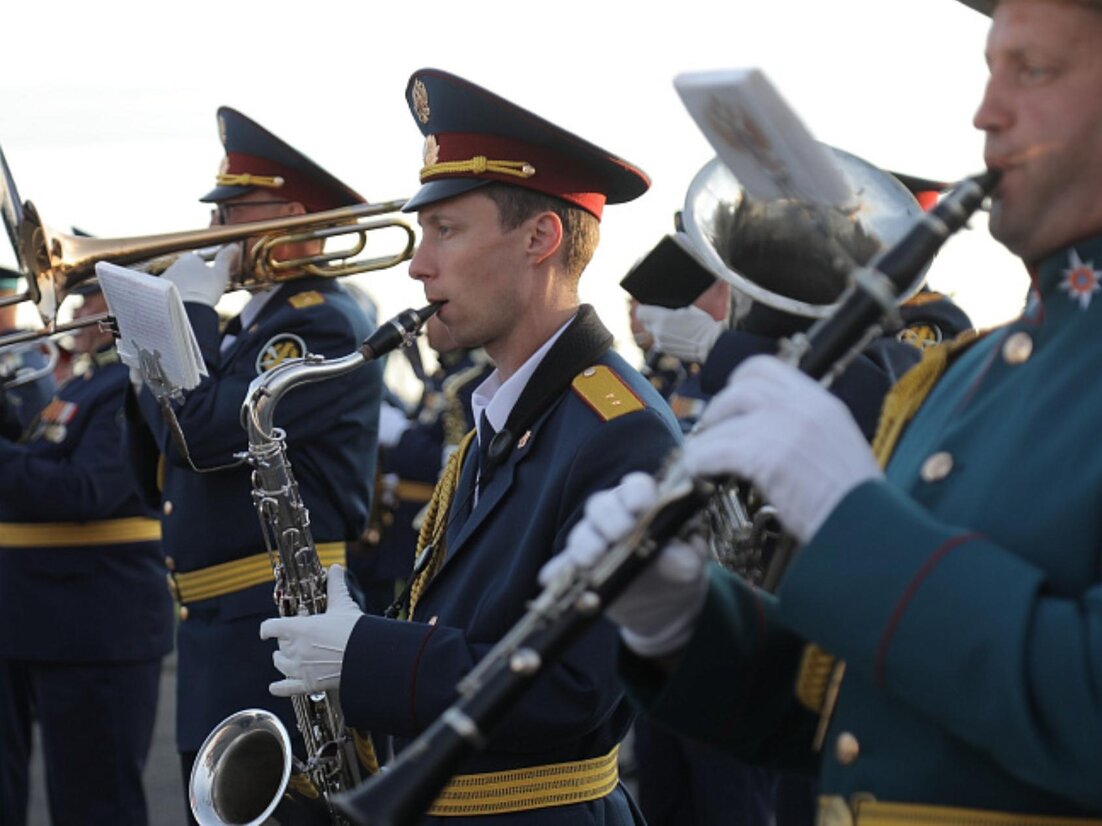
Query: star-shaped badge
point(1081, 280)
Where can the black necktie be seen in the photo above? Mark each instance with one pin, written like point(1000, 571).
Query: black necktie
point(233, 327)
point(486, 435)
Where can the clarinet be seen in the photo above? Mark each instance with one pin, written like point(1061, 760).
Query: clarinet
point(567, 606)
point(243, 773)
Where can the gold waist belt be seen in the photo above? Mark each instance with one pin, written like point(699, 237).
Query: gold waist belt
point(835, 811)
point(78, 534)
point(239, 574)
point(536, 787)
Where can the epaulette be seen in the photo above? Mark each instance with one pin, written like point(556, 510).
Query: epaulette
point(605, 392)
point(105, 357)
point(309, 298)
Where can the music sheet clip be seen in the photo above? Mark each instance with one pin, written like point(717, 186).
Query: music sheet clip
point(153, 374)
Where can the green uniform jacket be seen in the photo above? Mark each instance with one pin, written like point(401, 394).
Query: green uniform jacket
point(963, 592)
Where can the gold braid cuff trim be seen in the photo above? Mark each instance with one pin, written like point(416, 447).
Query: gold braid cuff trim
point(239, 574)
point(835, 811)
point(521, 790)
point(79, 534)
point(435, 521)
point(478, 165)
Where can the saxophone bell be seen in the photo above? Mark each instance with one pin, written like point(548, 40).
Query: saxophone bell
point(243, 776)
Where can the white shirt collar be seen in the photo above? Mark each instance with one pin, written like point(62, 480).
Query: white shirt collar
point(248, 314)
point(498, 398)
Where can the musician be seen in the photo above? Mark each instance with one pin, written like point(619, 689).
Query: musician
point(84, 616)
point(960, 585)
point(412, 452)
point(509, 210)
point(213, 545)
point(681, 780)
point(663, 371)
point(19, 400)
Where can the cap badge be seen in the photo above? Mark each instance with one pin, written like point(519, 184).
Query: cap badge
point(1081, 280)
point(431, 152)
point(421, 101)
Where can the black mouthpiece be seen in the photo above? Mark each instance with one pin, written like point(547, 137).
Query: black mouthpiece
point(398, 332)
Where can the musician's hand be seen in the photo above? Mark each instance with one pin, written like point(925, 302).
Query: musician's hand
point(687, 333)
point(781, 430)
point(311, 649)
point(200, 282)
point(658, 611)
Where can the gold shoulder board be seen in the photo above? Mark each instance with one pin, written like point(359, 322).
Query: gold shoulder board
point(310, 298)
point(605, 392)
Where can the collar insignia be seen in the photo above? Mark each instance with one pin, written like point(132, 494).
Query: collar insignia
point(1081, 280)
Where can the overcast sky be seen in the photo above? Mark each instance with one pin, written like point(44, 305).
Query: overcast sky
point(107, 116)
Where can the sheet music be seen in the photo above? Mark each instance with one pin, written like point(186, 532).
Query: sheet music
point(150, 316)
point(759, 137)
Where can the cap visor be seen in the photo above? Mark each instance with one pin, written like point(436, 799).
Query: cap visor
point(224, 193)
point(435, 191)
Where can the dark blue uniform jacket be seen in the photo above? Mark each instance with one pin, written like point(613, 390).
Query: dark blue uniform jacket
point(92, 599)
point(399, 676)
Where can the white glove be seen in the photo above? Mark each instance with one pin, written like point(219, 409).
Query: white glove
point(781, 430)
point(687, 333)
point(200, 282)
point(658, 611)
point(393, 422)
point(311, 649)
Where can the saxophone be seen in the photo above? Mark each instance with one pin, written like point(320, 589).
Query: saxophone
point(245, 772)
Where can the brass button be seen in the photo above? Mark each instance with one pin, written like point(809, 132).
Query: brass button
point(183, 613)
point(937, 466)
point(1018, 348)
point(166, 508)
point(170, 563)
point(846, 748)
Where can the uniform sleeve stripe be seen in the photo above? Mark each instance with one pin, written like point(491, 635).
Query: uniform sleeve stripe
point(413, 677)
point(901, 606)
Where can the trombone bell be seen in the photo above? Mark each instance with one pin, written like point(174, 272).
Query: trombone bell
point(55, 262)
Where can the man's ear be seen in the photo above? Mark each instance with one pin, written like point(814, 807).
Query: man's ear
point(293, 208)
point(545, 237)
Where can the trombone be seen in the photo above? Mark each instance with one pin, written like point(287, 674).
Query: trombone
point(54, 262)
